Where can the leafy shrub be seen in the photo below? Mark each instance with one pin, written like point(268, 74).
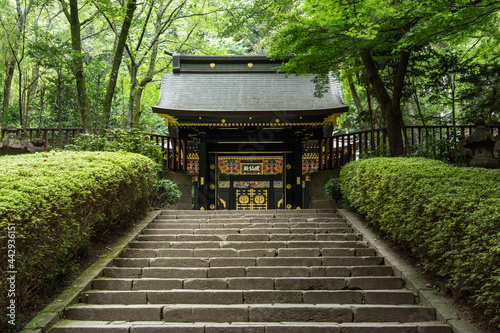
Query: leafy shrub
point(56, 202)
point(332, 189)
point(380, 151)
point(118, 140)
point(165, 192)
point(447, 216)
point(437, 149)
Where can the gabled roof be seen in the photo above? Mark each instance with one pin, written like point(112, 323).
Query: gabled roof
point(239, 86)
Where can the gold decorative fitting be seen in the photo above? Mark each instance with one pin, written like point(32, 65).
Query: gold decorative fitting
point(223, 202)
point(244, 199)
point(212, 206)
point(250, 118)
point(199, 118)
point(288, 186)
point(280, 203)
point(250, 65)
point(212, 65)
point(260, 199)
point(212, 186)
point(277, 120)
point(212, 166)
point(289, 206)
point(202, 208)
point(223, 121)
point(298, 207)
point(202, 181)
point(288, 166)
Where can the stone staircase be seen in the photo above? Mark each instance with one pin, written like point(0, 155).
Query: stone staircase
point(249, 271)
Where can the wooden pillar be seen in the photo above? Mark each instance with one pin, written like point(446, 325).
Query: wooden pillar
point(212, 181)
point(288, 181)
point(173, 131)
point(306, 195)
point(201, 202)
point(297, 171)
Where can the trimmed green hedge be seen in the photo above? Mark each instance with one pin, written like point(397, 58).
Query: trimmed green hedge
point(56, 202)
point(447, 216)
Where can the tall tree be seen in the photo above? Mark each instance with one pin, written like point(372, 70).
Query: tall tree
point(328, 35)
point(71, 14)
point(117, 60)
point(17, 45)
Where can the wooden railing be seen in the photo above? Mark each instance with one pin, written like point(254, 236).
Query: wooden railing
point(338, 150)
point(434, 138)
point(52, 137)
point(174, 149)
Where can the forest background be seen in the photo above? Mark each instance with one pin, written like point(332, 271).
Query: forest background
point(97, 64)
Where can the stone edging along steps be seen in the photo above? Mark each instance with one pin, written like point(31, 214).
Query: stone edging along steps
point(254, 271)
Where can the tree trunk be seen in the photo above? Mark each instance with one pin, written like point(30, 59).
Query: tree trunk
point(122, 39)
point(42, 104)
point(11, 66)
point(390, 106)
point(137, 103)
point(131, 95)
point(33, 86)
point(354, 93)
point(59, 108)
point(81, 87)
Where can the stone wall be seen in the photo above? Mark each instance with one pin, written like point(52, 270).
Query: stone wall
point(318, 181)
point(185, 186)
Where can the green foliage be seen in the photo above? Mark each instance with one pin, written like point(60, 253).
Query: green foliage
point(57, 202)
point(380, 151)
point(447, 216)
point(165, 192)
point(333, 192)
point(118, 140)
point(332, 189)
point(437, 149)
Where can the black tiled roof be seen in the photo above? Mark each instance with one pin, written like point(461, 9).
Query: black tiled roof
point(239, 93)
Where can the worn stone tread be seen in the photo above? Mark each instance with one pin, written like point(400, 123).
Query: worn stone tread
point(304, 271)
point(69, 326)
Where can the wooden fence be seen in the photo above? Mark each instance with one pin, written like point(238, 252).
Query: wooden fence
point(333, 152)
point(338, 150)
point(52, 137)
point(174, 149)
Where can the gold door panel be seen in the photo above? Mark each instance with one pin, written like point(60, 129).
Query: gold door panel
point(251, 199)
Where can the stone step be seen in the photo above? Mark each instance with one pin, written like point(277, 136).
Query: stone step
point(182, 261)
point(231, 257)
point(250, 283)
point(274, 212)
point(252, 313)
point(388, 297)
point(229, 231)
point(249, 237)
point(245, 245)
point(272, 271)
point(330, 257)
point(188, 268)
point(217, 253)
point(232, 219)
point(246, 225)
point(70, 326)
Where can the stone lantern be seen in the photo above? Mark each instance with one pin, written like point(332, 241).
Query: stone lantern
point(37, 145)
point(11, 144)
point(482, 145)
